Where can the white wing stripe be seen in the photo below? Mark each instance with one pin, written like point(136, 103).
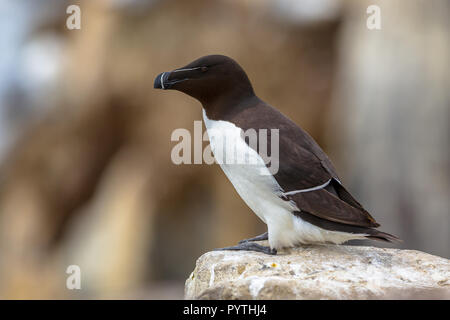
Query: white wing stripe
point(307, 190)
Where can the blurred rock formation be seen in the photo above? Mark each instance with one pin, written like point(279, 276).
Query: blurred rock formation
point(391, 110)
point(91, 183)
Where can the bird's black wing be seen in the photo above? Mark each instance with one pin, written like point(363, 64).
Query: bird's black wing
point(303, 165)
point(332, 201)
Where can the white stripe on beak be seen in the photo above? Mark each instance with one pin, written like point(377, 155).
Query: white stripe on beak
point(162, 80)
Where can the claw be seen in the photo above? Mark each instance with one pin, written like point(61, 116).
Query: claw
point(261, 237)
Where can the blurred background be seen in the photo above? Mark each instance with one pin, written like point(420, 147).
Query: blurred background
point(86, 176)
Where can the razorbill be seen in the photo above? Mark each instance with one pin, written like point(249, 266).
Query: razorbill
point(303, 201)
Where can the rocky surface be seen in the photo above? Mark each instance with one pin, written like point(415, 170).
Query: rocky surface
point(320, 272)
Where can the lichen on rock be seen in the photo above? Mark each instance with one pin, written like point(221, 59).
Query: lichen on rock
point(320, 272)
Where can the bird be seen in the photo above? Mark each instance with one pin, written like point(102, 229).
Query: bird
point(303, 201)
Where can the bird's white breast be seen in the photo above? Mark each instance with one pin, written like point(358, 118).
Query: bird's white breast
point(260, 191)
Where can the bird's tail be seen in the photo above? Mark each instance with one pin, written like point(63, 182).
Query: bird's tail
point(382, 236)
point(369, 233)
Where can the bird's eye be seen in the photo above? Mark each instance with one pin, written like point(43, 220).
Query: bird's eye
point(203, 69)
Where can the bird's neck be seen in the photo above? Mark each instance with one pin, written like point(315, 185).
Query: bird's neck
point(228, 104)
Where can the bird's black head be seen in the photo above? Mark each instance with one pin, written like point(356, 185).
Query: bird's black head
point(208, 79)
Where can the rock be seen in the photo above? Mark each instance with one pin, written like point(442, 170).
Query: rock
point(320, 272)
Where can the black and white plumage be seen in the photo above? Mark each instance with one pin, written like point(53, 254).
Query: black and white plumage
point(304, 201)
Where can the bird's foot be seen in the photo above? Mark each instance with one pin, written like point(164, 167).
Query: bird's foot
point(261, 237)
point(250, 246)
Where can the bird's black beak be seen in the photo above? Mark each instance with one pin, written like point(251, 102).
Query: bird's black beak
point(167, 80)
point(161, 81)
